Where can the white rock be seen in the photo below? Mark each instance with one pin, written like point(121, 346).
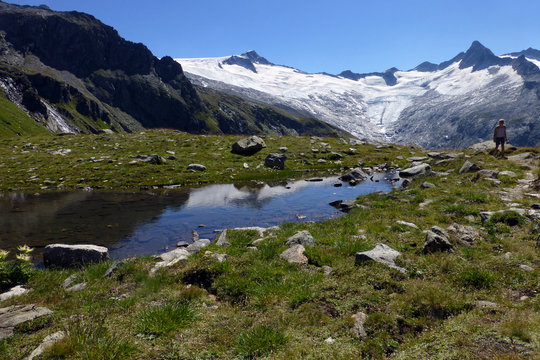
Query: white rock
point(13, 292)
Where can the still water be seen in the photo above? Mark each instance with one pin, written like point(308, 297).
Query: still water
point(144, 223)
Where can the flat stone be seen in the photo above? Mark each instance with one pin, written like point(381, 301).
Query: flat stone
point(507, 173)
point(77, 287)
point(489, 173)
point(169, 259)
point(405, 223)
point(417, 158)
point(113, 269)
point(62, 255)
point(302, 237)
point(197, 245)
point(485, 304)
point(421, 169)
point(526, 267)
point(355, 174)
point(521, 157)
point(17, 314)
point(13, 292)
point(69, 281)
point(381, 253)
point(427, 185)
point(49, 341)
point(182, 243)
point(295, 254)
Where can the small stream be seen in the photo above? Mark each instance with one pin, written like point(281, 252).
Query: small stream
point(144, 223)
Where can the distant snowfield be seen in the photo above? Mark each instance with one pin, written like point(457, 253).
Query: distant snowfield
point(366, 107)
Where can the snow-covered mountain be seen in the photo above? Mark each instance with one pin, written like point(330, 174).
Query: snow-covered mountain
point(455, 103)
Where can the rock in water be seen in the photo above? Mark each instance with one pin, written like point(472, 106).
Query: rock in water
point(62, 255)
point(469, 167)
point(302, 237)
point(248, 146)
point(295, 254)
point(355, 174)
point(421, 169)
point(275, 161)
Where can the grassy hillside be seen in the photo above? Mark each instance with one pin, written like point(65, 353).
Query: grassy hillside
point(14, 121)
point(479, 301)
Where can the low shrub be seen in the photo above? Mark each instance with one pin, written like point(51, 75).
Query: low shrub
point(161, 320)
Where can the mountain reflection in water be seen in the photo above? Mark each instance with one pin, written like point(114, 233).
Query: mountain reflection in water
point(142, 223)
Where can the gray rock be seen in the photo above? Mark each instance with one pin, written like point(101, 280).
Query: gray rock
point(417, 158)
point(275, 161)
point(522, 156)
point(463, 234)
point(169, 259)
point(327, 270)
point(321, 161)
point(295, 254)
point(302, 237)
point(356, 142)
point(427, 185)
point(435, 243)
point(381, 253)
point(440, 231)
point(62, 255)
point(469, 167)
point(70, 280)
point(344, 206)
point(358, 327)
point(13, 292)
point(526, 267)
point(422, 169)
point(485, 304)
point(283, 149)
point(248, 146)
point(17, 314)
point(196, 167)
point(49, 341)
point(489, 173)
point(495, 181)
point(405, 223)
point(194, 236)
point(182, 243)
point(222, 239)
point(77, 287)
point(405, 183)
point(113, 269)
point(220, 257)
point(507, 173)
point(436, 155)
point(197, 246)
point(334, 156)
point(151, 159)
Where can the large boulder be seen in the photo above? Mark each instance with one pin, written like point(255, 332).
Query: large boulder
point(248, 146)
point(62, 255)
point(436, 243)
point(421, 169)
point(275, 161)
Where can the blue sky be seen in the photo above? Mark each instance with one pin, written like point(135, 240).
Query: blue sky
point(316, 35)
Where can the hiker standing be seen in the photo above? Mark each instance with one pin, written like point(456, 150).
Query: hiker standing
point(499, 137)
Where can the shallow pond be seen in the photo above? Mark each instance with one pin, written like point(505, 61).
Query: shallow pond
point(143, 223)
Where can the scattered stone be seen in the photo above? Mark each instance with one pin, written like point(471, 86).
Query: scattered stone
point(219, 257)
point(248, 146)
point(526, 267)
point(507, 255)
point(435, 243)
point(330, 340)
point(13, 292)
point(222, 239)
point(283, 149)
point(422, 169)
point(113, 269)
point(350, 151)
point(463, 234)
point(440, 231)
point(417, 158)
point(77, 287)
point(335, 156)
point(355, 174)
point(302, 237)
point(470, 218)
point(315, 180)
point(17, 314)
point(70, 280)
point(344, 206)
point(246, 166)
point(321, 161)
point(355, 142)
point(469, 167)
point(196, 246)
point(436, 155)
point(338, 184)
point(151, 159)
point(62, 255)
point(485, 304)
point(358, 327)
point(327, 270)
point(524, 298)
point(489, 173)
point(182, 243)
point(507, 173)
point(275, 161)
point(427, 185)
point(405, 223)
point(405, 183)
point(314, 150)
point(380, 253)
point(49, 341)
point(495, 181)
point(169, 259)
point(295, 254)
point(521, 157)
point(196, 167)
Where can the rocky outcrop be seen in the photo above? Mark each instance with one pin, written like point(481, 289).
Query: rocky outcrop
point(13, 292)
point(62, 255)
point(421, 169)
point(18, 314)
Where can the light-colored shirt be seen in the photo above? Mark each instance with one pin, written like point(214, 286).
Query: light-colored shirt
point(500, 132)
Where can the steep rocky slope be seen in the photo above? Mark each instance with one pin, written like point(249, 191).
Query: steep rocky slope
point(71, 73)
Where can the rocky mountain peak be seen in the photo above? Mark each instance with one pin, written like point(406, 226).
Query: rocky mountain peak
point(480, 57)
point(256, 58)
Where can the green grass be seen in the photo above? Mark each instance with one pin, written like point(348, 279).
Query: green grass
point(14, 121)
point(255, 304)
